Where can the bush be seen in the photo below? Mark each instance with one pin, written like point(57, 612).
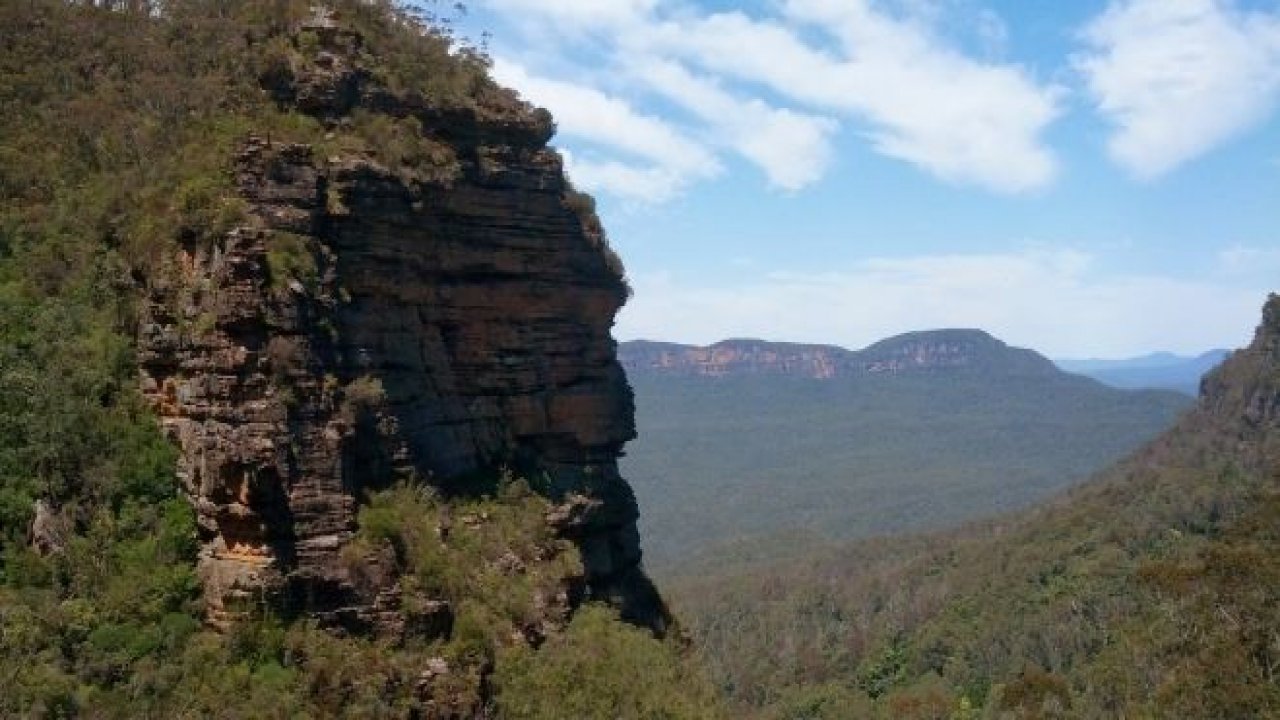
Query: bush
point(602, 668)
point(290, 257)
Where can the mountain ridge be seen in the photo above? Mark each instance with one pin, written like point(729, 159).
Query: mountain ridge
point(1161, 370)
point(1158, 359)
point(746, 438)
point(938, 350)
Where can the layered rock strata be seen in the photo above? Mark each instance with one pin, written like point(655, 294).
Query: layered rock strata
point(365, 325)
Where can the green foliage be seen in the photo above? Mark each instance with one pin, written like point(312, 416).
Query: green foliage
point(496, 552)
point(880, 673)
point(362, 395)
point(824, 701)
point(1036, 694)
point(401, 145)
point(290, 258)
point(414, 62)
point(97, 622)
point(601, 668)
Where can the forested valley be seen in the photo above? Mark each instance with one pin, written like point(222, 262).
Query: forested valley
point(1149, 591)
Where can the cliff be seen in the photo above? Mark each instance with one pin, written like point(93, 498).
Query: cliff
point(1246, 386)
point(926, 351)
point(366, 321)
point(308, 400)
point(734, 357)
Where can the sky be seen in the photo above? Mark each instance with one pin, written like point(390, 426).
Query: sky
point(1088, 178)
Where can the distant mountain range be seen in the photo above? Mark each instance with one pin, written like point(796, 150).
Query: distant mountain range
point(918, 351)
point(746, 438)
point(1160, 370)
point(927, 351)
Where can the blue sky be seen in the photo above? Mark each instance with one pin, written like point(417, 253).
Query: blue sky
point(1085, 177)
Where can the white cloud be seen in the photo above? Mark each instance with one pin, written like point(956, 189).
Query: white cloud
point(672, 160)
point(1045, 300)
point(961, 119)
point(794, 149)
point(579, 15)
point(1179, 77)
point(650, 184)
point(964, 120)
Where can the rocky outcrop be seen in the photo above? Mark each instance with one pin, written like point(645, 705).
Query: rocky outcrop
point(49, 529)
point(1247, 383)
point(365, 325)
point(928, 351)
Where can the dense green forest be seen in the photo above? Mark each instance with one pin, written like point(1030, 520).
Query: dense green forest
point(1151, 591)
point(118, 123)
point(753, 458)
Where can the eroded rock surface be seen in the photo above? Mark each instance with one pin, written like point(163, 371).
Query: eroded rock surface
point(365, 325)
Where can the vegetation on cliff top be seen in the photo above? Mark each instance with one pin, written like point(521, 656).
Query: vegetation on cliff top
point(118, 126)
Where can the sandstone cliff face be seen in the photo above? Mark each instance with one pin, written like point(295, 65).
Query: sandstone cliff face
point(364, 326)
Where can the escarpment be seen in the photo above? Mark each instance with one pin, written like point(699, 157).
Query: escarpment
point(432, 313)
point(1247, 384)
point(931, 351)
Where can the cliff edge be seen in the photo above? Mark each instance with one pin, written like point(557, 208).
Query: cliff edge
point(418, 296)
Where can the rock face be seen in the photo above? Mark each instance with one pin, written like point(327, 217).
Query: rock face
point(929, 351)
point(1247, 383)
point(49, 529)
point(364, 326)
